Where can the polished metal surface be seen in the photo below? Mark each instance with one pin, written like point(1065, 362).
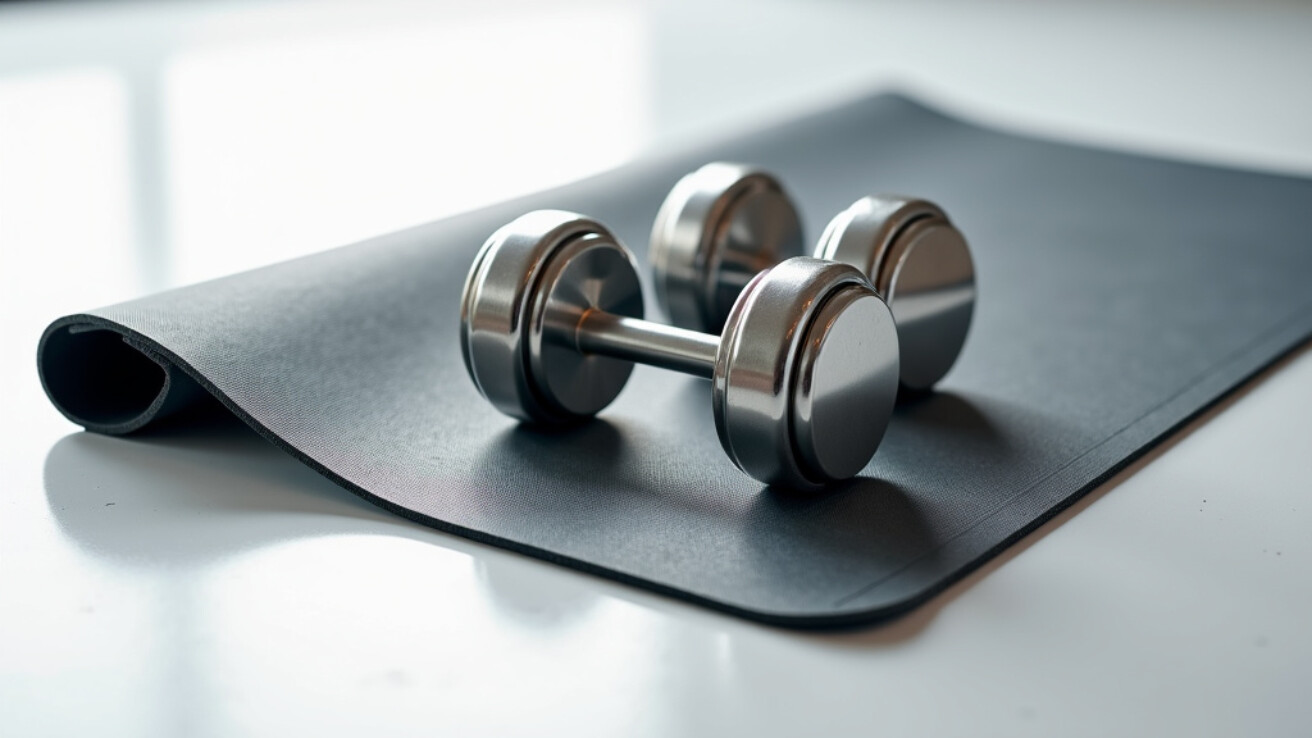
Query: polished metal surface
point(806, 376)
point(920, 263)
point(719, 227)
point(725, 222)
point(846, 383)
point(646, 342)
point(592, 272)
point(506, 319)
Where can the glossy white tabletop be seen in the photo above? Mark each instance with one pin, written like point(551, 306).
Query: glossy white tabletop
point(207, 584)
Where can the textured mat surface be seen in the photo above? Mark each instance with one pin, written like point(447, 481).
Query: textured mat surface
point(1119, 296)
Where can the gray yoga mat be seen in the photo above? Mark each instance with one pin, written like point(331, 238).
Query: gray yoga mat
point(1119, 296)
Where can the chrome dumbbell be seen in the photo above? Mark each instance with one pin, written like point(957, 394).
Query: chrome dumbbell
point(804, 376)
point(723, 223)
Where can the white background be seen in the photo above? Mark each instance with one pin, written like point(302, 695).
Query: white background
point(210, 585)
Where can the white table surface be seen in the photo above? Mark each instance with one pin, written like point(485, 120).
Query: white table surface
point(210, 585)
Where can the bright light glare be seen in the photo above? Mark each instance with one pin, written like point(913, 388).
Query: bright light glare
point(295, 145)
point(65, 196)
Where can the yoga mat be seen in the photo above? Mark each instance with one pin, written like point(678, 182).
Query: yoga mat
point(1119, 296)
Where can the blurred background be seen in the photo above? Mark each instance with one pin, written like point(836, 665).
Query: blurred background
point(149, 144)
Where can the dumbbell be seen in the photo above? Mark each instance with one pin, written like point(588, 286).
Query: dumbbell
point(723, 223)
point(803, 379)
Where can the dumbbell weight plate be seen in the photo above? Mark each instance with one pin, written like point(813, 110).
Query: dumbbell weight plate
point(806, 375)
point(920, 263)
point(533, 280)
point(719, 227)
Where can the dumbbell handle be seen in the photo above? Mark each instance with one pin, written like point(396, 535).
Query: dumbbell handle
point(645, 342)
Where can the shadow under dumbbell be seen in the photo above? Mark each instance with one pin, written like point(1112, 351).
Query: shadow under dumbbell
point(946, 412)
point(585, 452)
point(861, 524)
point(606, 491)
